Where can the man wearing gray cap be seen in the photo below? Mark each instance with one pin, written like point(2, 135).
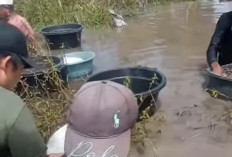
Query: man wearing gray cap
point(101, 118)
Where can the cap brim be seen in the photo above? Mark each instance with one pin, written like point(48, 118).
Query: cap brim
point(28, 62)
point(77, 145)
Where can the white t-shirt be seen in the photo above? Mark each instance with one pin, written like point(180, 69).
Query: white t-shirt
point(56, 142)
point(6, 2)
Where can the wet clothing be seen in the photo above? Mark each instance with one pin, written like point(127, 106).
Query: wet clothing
point(18, 134)
point(220, 47)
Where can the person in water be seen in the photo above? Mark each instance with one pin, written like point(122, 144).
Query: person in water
point(220, 48)
point(8, 15)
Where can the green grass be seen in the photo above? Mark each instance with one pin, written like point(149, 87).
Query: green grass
point(48, 12)
point(90, 13)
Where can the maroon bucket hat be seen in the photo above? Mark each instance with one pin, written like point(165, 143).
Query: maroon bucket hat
point(100, 122)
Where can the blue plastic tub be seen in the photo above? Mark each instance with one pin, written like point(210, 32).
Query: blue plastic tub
point(77, 64)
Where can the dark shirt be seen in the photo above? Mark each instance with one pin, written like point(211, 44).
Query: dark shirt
point(220, 47)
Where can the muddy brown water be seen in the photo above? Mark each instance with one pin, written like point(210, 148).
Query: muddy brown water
point(174, 38)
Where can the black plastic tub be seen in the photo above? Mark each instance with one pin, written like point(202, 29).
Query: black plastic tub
point(63, 36)
point(142, 83)
point(219, 83)
point(38, 80)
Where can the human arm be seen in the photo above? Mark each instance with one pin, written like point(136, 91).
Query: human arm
point(222, 27)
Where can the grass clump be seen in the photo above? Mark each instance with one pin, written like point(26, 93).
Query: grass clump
point(50, 12)
point(91, 13)
point(46, 94)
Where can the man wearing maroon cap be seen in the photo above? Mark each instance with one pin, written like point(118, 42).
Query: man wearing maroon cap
point(101, 118)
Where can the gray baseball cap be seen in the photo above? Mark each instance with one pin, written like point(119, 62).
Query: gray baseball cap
point(100, 121)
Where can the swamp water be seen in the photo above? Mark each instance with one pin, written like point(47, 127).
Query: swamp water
point(173, 38)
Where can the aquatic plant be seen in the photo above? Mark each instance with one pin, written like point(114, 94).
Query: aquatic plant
point(140, 134)
point(49, 106)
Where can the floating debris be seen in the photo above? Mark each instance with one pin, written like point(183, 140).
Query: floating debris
point(118, 19)
point(190, 138)
point(216, 94)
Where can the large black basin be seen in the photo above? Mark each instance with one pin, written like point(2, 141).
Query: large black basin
point(146, 83)
point(39, 79)
point(219, 83)
point(63, 36)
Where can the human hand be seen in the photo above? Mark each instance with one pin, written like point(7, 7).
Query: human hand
point(216, 68)
point(22, 24)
